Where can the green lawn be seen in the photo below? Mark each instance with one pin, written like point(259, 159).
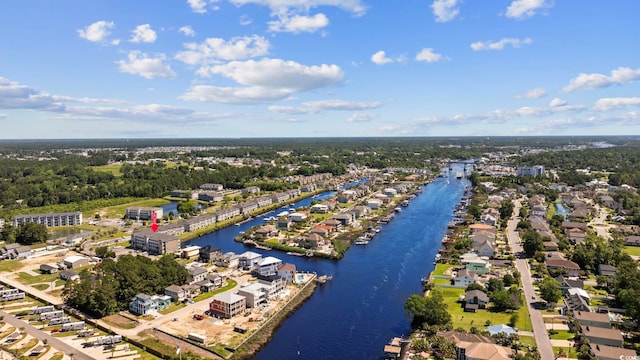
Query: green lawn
point(111, 168)
point(441, 268)
point(527, 340)
point(562, 335)
point(117, 211)
point(10, 265)
point(26, 278)
point(173, 307)
point(573, 353)
point(441, 281)
point(632, 250)
point(41, 287)
point(467, 320)
point(230, 285)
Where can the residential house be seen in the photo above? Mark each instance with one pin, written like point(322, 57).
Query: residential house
point(607, 270)
point(482, 351)
point(484, 249)
point(313, 241)
point(374, 204)
point(229, 260)
point(550, 246)
point(172, 229)
point(69, 275)
point(227, 305)
point(592, 319)
point(143, 303)
point(267, 231)
point(268, 266)
point(632, 240)
point(321, 230)
point(566, 267)
point(579, 292)
point(567, 283)
point(249, 260)
point(465, 278)
point(298, 216)
point(283, 223)
point(190, 252)
point(333, 223)
point(573, 303)
point(575, 236)
point(539, 210)
point(288, 272)
point(197, 222)
point(319, 209)
point(48, 269)
point(197, 273)
point(603, 336)
point(477, 298)
point(475, 263)
point(209, 254)
point(344, 218)
point(254, 293)
point(604, 352)
point(360, 211)
point(573, 224)
point(176, 293)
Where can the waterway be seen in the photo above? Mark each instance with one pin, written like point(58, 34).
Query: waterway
point(354, 315)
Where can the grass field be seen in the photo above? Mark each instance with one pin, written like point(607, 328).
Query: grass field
point(230, 285)
point(562, 335)
point(10, 265)
point(632, 250)
point(117, 211)
point(441, 268)
point(467, 320)
point(26, 278)
point(111, 168)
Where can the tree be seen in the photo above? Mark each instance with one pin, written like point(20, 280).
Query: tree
point(186, 207)
point(550, 290)
point(31, 233)
point(430, 310)
point(104, 252)
point(8, 234)
point(475, 211)
point(495, 284)
point(506, 209)
point(532, 242)
point(509, 280)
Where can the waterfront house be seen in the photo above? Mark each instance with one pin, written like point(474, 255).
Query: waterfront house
point(603, 336)
point(288, 272)
point(143, 303)
point(255, 294)
point(264, 201)
point(227, 305)
point(267, 231)
point(321, 230)
point(298, 216)
point(476, 297)
point(268, 266)
point(345, 218)
point(484, 249)
point(374, 204)
point(190, 252)
point(313, 241)
point(283, 223)
point(465, 278)
point(319, 209)
point(475, 264)
point(333, 223)
point(482, 351)
point(229, 260)
point(249, 260)
point(360, 211)
point(248, 207)
point(209, 254)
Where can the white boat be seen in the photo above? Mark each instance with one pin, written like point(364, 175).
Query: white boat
point(360, 241)
point(398, 209)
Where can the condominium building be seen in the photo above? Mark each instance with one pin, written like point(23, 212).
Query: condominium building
point(51, 219)
point(143, 212)
point(154, 243)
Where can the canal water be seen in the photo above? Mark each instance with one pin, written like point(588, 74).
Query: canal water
point(354, 315)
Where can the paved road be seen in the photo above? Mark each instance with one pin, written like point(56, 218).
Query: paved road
point(69, 350)
point(537, 322)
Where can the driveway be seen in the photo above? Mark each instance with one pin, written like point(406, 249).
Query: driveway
point(537, 322)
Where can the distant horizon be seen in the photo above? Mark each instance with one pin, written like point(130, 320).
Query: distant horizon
point(318, 68)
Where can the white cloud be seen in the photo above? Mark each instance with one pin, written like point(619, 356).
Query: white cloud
point(139, 63)
point(215, 50)
point(143, 33)
point(86, 100)
point(187, 31)
point(245, 20)
point(535, 93)
point(619, 76)
point(3, 116)
point(17, 96)
point(313, 107)
point(201, 6)
point(380, 58)
point(520, 9)
point(97, 32)
point(445, 10)
point(499, 45)
point(360, 117)
point(284, 6)
point(428, 55)
point(607, 104)
point(264, 80)
point(557, 102)
point(299, 23)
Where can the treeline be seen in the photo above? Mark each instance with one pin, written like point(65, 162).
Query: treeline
point(112, 285)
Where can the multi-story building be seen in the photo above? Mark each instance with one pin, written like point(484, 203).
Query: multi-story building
point(144, 303)
point(143, 212)
point(154, 243)
point(537, 170)
point(50, 220)
point(227, 305)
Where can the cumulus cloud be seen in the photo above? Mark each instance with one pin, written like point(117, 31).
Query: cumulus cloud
point(521, 9)
point(360, 117)
point(143, 33)
point(619, 76)
point(607, 104)
point(264, 80)
point(216, 50)
point(380, 58)
point(202, 6)
point(535, 93)
point(299, 23)
point(14, 95)
point(141, 64)
point(428, 55)
point(313, 107)
point(500, 44)
point(187, 31)
point(557, 102)
point(445, 10)
point(97, 32)
point(302, 6)
point(245, 20)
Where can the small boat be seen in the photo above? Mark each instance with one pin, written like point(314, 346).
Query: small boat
point(308, 254)
point(361, 241)
point(397, 209)
point(404, 203)
point(294, 253)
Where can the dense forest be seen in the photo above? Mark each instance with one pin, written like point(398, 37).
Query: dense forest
point(112, 285)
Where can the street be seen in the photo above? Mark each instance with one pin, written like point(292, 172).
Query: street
point(537, 322)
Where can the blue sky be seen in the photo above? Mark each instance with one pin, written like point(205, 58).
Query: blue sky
point(316, 68)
